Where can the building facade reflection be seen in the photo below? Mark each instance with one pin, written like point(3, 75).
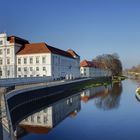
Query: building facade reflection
point(95, 92)
point(104, 97)
point(44, 120)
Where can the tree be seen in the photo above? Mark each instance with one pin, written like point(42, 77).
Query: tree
point(110, 62)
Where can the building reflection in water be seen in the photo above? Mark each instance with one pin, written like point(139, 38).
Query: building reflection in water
point(44, 120)
point(105, 97)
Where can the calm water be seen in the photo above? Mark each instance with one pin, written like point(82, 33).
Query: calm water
point(111, 113)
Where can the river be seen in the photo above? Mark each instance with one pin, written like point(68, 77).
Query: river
point(101, 113)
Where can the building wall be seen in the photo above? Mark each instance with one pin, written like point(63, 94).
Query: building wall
point(7, 57)
point(41, 118)
point(33, 65)
point(65, 107)
point(65, 67)
point(55, 65)
point(94, 72)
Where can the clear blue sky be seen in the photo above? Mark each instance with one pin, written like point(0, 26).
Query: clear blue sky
point(90, 27)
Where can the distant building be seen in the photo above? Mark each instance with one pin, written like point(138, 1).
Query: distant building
point(44, 120)
point(19, 58)
point(91, 69)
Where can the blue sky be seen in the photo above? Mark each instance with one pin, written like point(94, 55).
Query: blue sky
point(90, 27)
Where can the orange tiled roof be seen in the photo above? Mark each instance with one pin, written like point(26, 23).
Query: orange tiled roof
point(73, 53)
point(73, 114)
point(86, 63)
point(35, 129)
point(42, 48)
point(85, 98)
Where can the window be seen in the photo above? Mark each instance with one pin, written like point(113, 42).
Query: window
point(31, 60)
point(38, 119)
point(0, 51)
point(25, 60)
point(25, 68)
point(19, 60)
point(8, 61)
point(19, 69)
point(32, 118)
point(31, 75)
point(44, 68)
point(37, 68)
point(19, 75)
point(8, 51)
point(31, 68)
point(37, 60)
point(26, 120)
point(1, 42)
point(45, 119)
point(37, 75)
point(25, 75)
point(67, 101)
point(1, 61)
point(43, 60)
point(71, 100)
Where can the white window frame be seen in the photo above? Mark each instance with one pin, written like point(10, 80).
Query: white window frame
point(25, 60)
point(37, 60)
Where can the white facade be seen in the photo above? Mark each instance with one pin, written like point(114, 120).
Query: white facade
point(47, 64)
point(94, 72)
point(38, 64)
point(8, 57)
point(65, 67)
point(34, 65)
point(91, 69)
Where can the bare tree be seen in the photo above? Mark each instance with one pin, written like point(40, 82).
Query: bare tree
point(110, 62)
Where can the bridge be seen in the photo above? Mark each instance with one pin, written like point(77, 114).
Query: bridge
point(20, 103)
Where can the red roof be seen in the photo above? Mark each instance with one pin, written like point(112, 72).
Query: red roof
point(35, 129)
point(43, 48)
point(73, 53)
point(86, 63)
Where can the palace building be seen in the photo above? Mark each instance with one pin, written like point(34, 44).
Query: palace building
point(20, 58)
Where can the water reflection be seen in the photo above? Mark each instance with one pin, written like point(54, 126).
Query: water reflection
point(43, 121)
point(110, 100)
point(105, 97)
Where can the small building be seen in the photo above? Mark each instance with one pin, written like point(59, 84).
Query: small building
point(20, 58)
point(91, 69)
